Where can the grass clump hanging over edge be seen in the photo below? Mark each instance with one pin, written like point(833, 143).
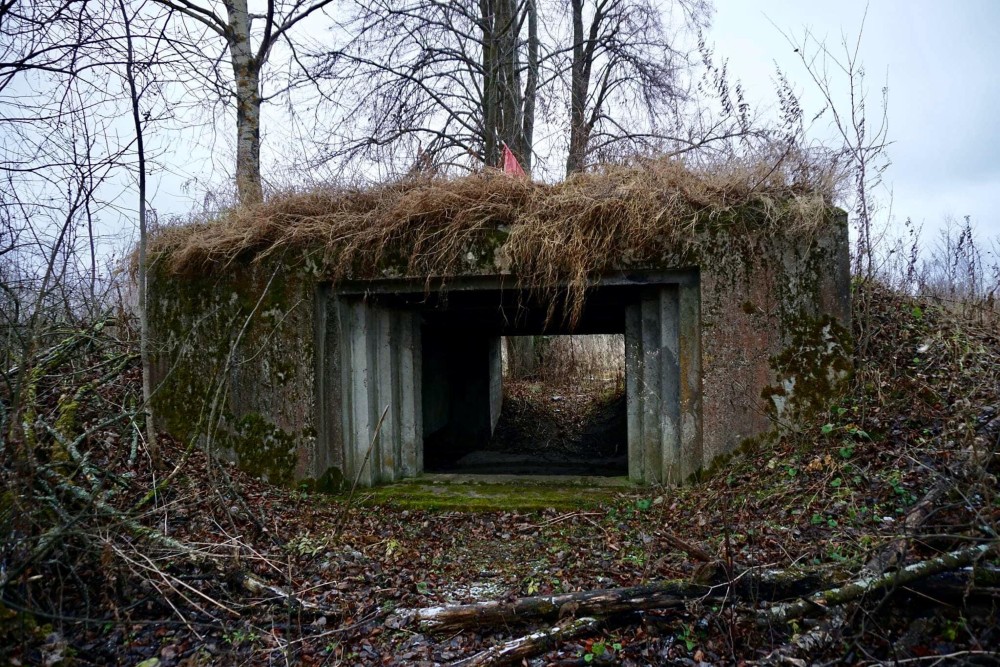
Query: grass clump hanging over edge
point(546, 235)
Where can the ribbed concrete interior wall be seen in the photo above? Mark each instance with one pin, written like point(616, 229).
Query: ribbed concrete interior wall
point(380, 357)
point(663, 384)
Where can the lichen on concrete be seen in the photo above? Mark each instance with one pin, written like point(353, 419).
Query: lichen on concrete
point(233, 364)
point(237, 345)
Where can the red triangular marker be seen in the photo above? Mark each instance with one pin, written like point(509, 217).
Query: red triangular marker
point(510, 163)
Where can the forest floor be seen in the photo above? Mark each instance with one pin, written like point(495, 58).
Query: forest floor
point(572, 425)
point(220, 568)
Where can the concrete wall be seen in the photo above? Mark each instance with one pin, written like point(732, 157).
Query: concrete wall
point(496, 380)
point(380, 410)
point(233, 361)
point(775, 334)
point(663, 384)
point(270, 366)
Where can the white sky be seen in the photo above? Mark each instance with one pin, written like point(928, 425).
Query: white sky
point(940, 60)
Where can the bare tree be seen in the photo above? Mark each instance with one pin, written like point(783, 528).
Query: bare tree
point(135, 91)
point(55, 160)
point(509, 106)
point(62, 69)
point(43, 36)
point(625, 66)
point(864, 139)
point(451, 83)
point(237, 33)
point(445, 83)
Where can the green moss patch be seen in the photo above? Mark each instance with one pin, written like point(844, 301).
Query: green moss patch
point(522, 496)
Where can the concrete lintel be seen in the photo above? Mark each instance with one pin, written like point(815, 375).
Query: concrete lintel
point(684, 276)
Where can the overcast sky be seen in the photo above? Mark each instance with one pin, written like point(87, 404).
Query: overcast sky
point(940, 60)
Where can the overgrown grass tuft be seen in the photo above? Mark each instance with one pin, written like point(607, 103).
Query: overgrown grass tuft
point(547, 235)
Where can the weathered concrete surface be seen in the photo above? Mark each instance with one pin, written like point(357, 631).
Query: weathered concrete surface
point(223, 370)
point(273, 367)
point(775, 334)
point(380, 399)
point(496, 380)
point(663, 384)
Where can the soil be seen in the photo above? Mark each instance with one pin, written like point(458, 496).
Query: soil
point(573, 427)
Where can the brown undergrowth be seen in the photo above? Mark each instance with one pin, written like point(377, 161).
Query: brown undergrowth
point(86, 578)
point(547, 235)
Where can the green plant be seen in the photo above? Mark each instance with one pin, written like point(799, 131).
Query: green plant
point(636, 557)
point(686, 635)
point(305, 544)
point(240, 636)
point(952, 628)
point(598, 649)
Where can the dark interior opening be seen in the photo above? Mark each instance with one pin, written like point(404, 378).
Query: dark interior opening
point(469, 418)
point(567, 417)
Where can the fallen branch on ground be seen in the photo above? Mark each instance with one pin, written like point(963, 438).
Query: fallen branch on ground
point(817, 603)
point(751, 584)
point(247, 581)
point(530, 645)
point(602, 602)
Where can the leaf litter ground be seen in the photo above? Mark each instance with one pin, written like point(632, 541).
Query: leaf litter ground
point(924, 412)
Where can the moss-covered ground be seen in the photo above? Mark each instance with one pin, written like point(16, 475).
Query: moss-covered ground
point(525, 494)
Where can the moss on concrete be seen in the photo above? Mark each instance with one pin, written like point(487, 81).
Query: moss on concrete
point(231, 350)
point(331, 481)
point(813, 369)
point(250, 329)
point(262, 449)
point(522, 496)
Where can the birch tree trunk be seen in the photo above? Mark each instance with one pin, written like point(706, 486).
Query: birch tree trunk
point(246, 74)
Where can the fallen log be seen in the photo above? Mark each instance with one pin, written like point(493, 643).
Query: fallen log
point(754, 586)
point(818, 603)
point(530, 645)
point(601, 602)
point(749, 585)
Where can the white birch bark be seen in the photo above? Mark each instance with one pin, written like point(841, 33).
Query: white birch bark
point(246, 74)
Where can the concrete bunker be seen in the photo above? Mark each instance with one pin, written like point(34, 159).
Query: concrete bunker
point(432, 363)
point(282, 331)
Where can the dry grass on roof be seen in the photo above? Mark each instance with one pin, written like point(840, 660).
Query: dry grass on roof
point(549, 233)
